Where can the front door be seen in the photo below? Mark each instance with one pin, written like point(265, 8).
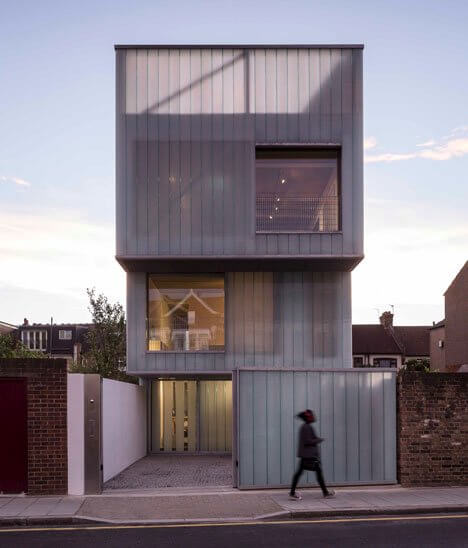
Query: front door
point(13, 436)
point(191, 415)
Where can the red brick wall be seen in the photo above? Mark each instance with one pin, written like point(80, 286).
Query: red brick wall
point(47, 421)
point(432, 428)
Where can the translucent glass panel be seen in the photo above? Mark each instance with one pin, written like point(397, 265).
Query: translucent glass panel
point(297, 190)
point(215, 415)
point(185, 312)
point(191, 415)
point(174, 416)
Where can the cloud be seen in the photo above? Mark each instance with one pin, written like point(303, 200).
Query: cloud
point(15, 180)
point(59, 252)
point(388, 157)
point(450, 147)
point(427, 143)
point(401, 239)
point(370, 142)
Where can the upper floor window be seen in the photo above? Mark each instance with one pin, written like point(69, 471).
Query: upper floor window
point(34, 339)
point(185, 312)
point(384, 362)
point(65, 335)
point(297, 189)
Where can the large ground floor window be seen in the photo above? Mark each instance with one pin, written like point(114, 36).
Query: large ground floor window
point(185, 312)
point(191, 415)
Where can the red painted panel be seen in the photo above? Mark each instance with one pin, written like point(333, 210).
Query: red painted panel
point(13, 436)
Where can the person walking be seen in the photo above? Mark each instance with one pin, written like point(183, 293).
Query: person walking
point(309, 453)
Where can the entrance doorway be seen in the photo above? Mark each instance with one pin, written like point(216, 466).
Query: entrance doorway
point(191, 416)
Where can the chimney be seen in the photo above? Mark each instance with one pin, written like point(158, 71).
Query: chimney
point(25, 322)
point(386, 320)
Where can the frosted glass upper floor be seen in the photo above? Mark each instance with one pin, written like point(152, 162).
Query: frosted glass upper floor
point(190, 123)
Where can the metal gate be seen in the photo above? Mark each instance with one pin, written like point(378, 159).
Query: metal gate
point(356, 414)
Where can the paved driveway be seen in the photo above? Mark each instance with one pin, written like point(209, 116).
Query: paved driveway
point(157, 471)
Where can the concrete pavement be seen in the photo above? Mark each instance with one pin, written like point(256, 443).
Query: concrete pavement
point(192, 505)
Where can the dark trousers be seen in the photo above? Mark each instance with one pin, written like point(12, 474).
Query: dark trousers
point(318, 473)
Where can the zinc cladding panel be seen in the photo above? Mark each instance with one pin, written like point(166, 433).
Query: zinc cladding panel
point(299, 320)
point(356, 413)
point(187, 124)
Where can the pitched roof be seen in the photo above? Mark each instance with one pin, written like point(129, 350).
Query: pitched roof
point(415, 339)
point(438, 324)
point(374, 339)
point(461, 273)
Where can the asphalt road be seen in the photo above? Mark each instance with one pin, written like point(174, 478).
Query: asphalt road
point(414, 531)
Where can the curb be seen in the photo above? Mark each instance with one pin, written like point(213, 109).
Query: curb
point(276, 516)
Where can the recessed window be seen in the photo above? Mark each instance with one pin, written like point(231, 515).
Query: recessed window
point(65, 335)
point(185, 312)
point(34, 339)
point(384, 362)
point(297, 190)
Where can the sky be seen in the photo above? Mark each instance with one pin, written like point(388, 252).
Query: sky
point(57, 137)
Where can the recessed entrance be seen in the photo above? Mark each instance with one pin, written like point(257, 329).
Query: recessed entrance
point(191, 416)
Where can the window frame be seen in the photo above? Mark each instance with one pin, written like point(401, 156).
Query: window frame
point(298, 151)
point(65, 332)
point(179, 352)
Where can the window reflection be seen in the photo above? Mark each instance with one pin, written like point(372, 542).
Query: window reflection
point(297, 190)
point(185, 312)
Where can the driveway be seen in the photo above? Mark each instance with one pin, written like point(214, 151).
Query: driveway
point(158, 471)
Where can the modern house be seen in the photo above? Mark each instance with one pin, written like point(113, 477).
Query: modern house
point(239, 186)
point(449, 338)
point(388, 345)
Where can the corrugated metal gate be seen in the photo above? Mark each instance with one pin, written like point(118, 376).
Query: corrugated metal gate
point(356, 414)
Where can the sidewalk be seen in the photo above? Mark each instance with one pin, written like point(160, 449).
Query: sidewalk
point(178, 505)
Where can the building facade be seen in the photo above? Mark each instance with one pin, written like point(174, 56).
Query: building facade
point(239, 212)
point(65, 341)
point(388, 345)
point(449, 337)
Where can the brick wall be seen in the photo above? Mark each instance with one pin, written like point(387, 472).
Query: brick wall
point(47, 421)
point(432, 428)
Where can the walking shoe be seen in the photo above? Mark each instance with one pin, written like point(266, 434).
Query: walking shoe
point(330, 494)
point(295, 496)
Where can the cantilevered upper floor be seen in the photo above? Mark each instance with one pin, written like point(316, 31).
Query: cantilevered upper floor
point(241, 157)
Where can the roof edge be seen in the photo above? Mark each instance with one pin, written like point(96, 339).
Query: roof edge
point(238, 46)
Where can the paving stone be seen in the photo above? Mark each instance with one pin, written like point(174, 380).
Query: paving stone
point(179, 508)
point(158, 471)
point(17, 506)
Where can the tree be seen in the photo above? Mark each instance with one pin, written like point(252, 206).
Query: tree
point(417, 364)
point(105, 344)
point(11, 347)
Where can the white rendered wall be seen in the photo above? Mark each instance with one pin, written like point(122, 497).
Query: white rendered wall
point(75, 432)
point(123, 426)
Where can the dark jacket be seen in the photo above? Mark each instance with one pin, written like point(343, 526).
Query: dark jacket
point(308, 442)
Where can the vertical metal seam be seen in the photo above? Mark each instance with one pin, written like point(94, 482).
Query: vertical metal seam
point(190, 176)
point(383, 427)
point(179, 157)
point(147, 150)
point(211, 152)
point(359, 425)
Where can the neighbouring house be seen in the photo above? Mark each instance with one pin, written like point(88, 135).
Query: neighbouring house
point(55, 340)
point(6, 328)
point(449, 337)
point(437, 346)
point(388, 345)
point(239, 216)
